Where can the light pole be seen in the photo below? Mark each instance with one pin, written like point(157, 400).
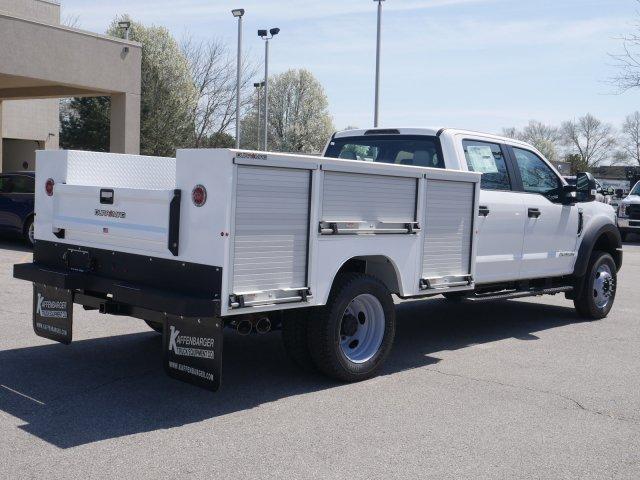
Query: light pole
point(258, 86)
point(238, 13)
point(126, 26)
point(266, 36)
point(376, 115)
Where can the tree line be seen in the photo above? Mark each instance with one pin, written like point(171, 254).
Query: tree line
point(584, 143)
point(188, 100)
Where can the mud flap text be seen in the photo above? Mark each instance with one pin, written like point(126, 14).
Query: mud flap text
point(53, 313)
point(193, 350)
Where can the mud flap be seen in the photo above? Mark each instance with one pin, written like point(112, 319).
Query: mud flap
point(53, 313)
point(193, 350)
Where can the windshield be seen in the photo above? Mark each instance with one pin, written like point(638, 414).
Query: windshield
point(416, 150)
point(636, 190)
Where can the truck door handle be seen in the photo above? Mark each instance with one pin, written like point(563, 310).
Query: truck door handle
point(534, 212)
point(483, 211)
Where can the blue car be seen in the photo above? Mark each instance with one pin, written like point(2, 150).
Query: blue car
point(17, 197)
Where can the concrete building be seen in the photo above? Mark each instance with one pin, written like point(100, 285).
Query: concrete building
point(42, 61)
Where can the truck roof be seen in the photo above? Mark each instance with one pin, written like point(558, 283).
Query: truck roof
point(430, 131)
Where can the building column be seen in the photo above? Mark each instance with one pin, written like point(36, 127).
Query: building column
point(125, 123)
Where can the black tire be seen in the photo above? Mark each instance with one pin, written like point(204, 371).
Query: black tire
point(585, 303)
point(27, 231)
point(326, 322)
point(295, 328)
point(154, 326)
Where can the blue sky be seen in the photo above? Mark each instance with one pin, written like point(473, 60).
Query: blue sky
point(477, 64)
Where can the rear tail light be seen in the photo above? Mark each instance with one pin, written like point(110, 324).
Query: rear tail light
point(199, 195)
point(48, 187)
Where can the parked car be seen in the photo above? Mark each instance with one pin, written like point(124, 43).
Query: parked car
point(16, 204)
point(629, 213)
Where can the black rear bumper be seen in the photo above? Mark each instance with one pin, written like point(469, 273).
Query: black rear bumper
point(156, 284)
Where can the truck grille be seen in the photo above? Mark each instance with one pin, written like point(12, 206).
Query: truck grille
point(633, 211)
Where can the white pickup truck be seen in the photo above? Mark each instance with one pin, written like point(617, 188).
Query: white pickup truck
point(629, 213)
point(315, 246)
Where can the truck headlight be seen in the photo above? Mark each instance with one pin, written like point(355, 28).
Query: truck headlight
point(622, 211)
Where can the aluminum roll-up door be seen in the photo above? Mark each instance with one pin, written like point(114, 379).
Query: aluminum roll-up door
point(271, 229)
point(448, 229)
point(355, 197)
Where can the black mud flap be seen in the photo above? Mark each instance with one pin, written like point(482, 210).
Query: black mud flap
point(53, 313)
point(193, 350)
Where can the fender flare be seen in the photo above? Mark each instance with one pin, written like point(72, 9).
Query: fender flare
point(596, 230)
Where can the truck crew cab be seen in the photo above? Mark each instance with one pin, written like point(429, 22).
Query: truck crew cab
point(314, 245)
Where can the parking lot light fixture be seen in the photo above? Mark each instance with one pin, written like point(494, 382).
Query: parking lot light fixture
point(266, 37)
point(376, 115)
point(238, 13)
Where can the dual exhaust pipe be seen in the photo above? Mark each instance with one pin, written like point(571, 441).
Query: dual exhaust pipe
point(262, 325)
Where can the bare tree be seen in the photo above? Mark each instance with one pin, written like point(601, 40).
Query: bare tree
point(589, 141)
point(545, 138)
point(213, 69)
point(628, 61)
point(630, 138)
point(70, 20)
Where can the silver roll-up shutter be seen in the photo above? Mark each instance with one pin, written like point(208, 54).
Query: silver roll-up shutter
point(448, 228)
point(271, 229)
point(356, 197)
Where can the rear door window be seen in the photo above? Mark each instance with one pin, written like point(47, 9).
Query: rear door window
point(487, 158)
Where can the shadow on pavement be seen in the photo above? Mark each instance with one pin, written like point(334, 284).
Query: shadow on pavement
point(14, 244)
point(115, 386)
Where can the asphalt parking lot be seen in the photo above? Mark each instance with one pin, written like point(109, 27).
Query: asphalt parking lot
point(519, 389)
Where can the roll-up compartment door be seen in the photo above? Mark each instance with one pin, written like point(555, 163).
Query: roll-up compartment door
point(271, 229)
point(448, 231)
point(355, 197)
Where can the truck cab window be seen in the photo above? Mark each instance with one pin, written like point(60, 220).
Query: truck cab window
point(488, 159)
point(537, 176)
point(413, 150)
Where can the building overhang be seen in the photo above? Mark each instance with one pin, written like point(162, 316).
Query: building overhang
point(39, 60)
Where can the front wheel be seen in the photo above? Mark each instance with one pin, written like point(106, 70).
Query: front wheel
point(599, 287)
point(351, 337)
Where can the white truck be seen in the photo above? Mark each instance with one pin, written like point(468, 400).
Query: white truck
point(315, 246)
point(629, 213)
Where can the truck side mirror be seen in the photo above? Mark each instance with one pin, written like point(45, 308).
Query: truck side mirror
point(586, 187)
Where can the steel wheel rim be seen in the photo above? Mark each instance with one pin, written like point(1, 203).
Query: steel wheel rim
point(362, 328)
point(31, 233)
point(603, 286)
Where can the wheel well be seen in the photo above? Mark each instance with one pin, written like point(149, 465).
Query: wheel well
point(377, 266)
point(26, 221)
point(607, 242)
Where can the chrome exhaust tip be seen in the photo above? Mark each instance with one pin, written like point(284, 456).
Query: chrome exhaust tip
point(244, 327)
point(263, 325)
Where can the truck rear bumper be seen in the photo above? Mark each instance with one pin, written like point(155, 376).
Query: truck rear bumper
point(136, 295)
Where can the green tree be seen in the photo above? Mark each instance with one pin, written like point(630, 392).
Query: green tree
point(589, 138)
point(299, 119)
point(168, 98)
point(84, 124)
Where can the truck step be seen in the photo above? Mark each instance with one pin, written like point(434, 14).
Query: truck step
point(519, 294)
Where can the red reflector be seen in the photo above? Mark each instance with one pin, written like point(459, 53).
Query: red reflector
point(48, 186)
point(199, 195)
